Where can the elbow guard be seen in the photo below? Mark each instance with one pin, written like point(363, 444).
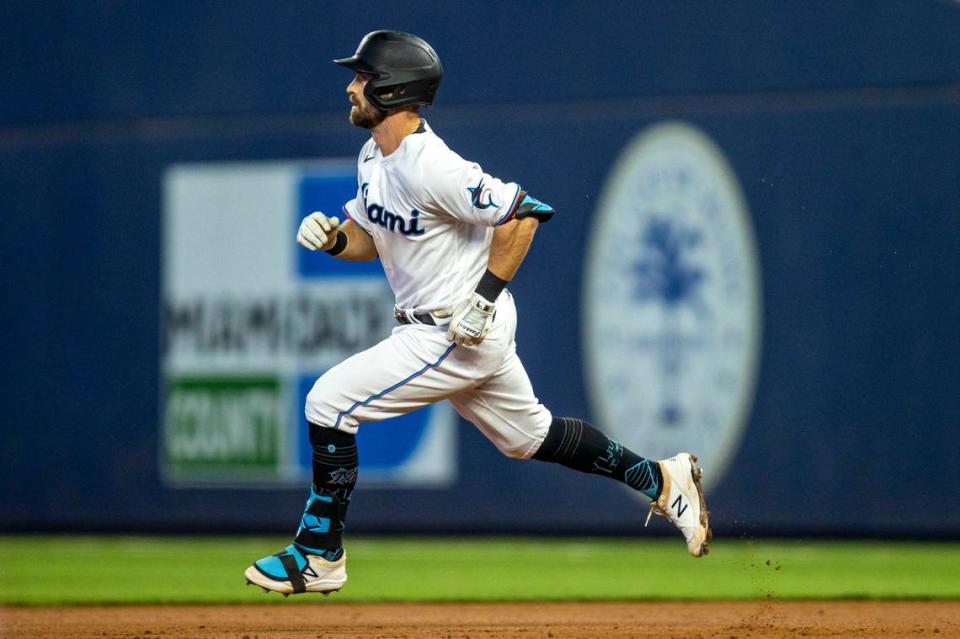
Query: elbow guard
point(530, 206)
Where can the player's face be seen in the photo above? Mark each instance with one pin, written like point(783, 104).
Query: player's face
point(362, 113)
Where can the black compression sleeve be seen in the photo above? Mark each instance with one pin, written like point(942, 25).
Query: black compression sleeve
point(577, 444)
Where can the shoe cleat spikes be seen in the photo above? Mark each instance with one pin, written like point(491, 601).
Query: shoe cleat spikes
point(682, 479)
point(266, 591)
point(318, 575)
point(249, 583)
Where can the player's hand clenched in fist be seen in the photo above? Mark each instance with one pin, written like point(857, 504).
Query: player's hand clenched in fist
point(470, 320)
point(318, 232)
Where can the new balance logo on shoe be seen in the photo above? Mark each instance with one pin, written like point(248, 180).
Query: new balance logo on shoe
point(679, 506)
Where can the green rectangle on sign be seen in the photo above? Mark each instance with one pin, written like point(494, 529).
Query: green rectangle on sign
point(222, 429)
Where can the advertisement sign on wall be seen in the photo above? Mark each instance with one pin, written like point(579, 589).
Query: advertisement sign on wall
point(250, 320)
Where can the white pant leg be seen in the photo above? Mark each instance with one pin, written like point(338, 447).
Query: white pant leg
point(412, 368)
point(506, 411)
point(402, 373)
point(503, 406)
point(417, 366)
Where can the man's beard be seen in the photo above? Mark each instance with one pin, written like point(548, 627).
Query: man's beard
point(366, 118)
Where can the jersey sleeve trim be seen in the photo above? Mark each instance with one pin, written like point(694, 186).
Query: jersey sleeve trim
point(512, 211)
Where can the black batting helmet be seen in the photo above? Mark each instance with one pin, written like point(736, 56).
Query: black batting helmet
point(405, 69)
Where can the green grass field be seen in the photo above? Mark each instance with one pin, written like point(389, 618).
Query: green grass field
point(88, 570)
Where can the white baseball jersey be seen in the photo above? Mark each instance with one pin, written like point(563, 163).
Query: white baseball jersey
point(431, 214)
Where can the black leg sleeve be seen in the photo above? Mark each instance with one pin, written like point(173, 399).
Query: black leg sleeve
point(335, 461)
point(335, 466)
point(576, 444)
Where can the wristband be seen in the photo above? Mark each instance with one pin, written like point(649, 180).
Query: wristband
point(490, 286)
point(338, 244)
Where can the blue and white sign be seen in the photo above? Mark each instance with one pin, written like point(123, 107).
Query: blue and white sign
point(251, 319)
point(671, 311)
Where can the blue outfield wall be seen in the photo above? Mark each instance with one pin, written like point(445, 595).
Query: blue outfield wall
point(841, 124)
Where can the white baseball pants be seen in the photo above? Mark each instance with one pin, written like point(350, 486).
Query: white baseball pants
point(417, 366)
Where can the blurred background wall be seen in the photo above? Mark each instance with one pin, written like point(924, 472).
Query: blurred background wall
point(840, 123)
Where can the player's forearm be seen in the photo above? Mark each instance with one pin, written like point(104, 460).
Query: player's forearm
point(510, 245)
point(359, 246)
point(471, 319)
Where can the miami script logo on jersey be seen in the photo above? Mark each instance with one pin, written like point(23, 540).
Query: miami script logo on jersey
point(391, 221)
point(476, 196)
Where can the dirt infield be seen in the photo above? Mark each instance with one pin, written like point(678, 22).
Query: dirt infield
point(330, 620)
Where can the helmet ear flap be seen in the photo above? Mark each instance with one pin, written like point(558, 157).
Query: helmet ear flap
point(375, 95)
point(396, 91)
point(405, 69)
point(389, 97)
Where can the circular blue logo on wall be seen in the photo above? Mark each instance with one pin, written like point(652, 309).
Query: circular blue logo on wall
point(672, 300)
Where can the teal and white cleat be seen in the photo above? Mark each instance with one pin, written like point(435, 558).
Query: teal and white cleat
point(682, 501)
point(292, 571)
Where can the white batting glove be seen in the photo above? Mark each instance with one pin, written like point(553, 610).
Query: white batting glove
point(470, 320)
point(318, 232)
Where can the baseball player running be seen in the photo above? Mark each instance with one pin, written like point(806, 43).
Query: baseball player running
point(450, 237)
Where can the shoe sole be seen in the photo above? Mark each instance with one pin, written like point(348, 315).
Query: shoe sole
point(267, 585)
point(696, 473)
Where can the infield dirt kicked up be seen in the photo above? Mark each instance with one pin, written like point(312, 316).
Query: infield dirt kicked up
point(330, 620)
